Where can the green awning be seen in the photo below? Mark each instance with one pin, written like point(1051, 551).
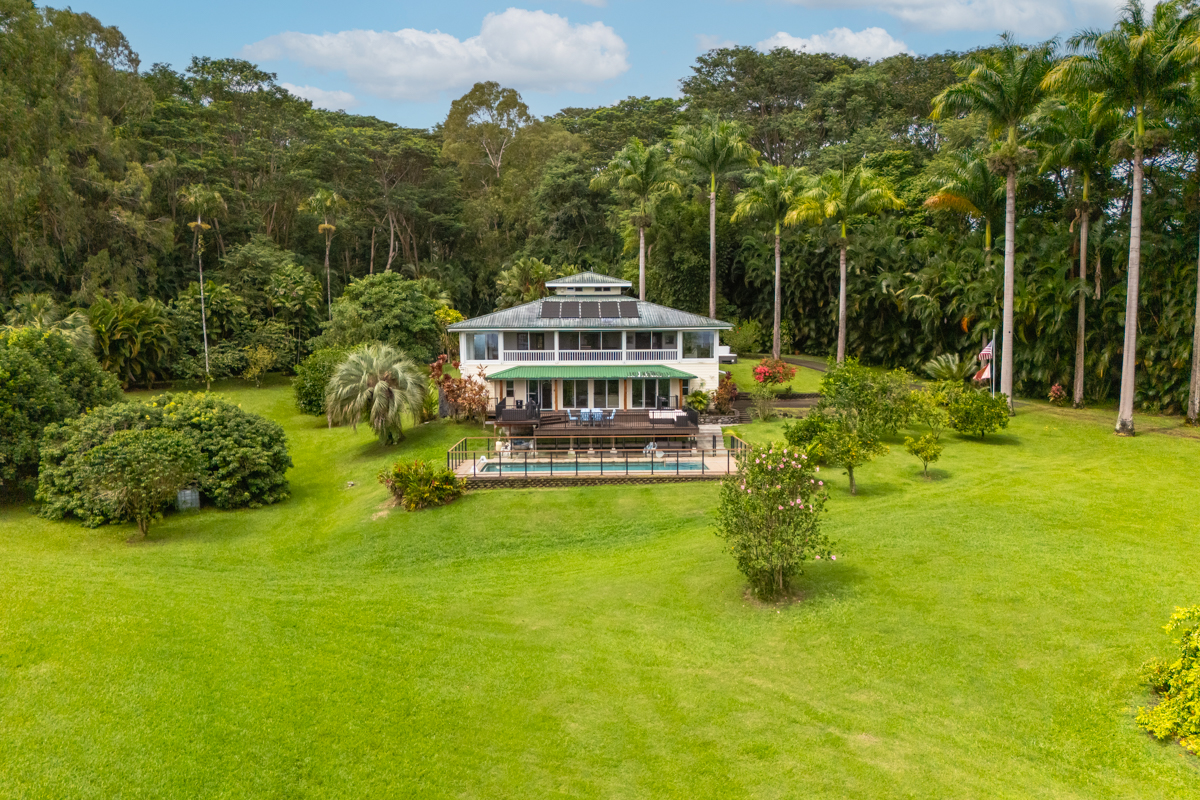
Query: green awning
point(570, 372)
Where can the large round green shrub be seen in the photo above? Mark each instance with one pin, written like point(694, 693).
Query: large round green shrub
point(312, 376)
point(243, 457)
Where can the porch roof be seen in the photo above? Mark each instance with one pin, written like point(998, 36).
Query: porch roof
point(603, 371)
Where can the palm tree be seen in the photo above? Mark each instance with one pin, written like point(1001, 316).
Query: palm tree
point(378, 383)
point(713, 149)
point(643, 176)
point(1005, 87)
point(523, 282)
point(326, 204)
point(1077, 139)
point(208, 203)
point(843, 197)
point(39, 311)
point(1135, 71)
point(770, 192)
point(967, 186)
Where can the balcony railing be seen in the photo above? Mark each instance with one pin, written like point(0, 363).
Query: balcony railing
point(575, 356)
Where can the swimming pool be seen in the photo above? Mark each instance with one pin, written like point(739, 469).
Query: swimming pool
point(570, 467)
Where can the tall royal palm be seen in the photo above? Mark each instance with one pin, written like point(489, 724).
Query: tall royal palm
point(843, 197)
point(379, 384)
point(1134, 70)
point(769, 195)
point(205, 203)
point(326, 203)
point(1005, 87)
point(713, 149)
point(1077, 137)
point(642, 176)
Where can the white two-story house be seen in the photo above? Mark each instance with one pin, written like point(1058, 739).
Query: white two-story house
point(588, 346)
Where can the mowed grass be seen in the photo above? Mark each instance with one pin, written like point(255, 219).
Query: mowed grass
point(979, 636)
point(805, 380)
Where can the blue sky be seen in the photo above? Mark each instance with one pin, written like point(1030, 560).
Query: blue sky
point(405, 61)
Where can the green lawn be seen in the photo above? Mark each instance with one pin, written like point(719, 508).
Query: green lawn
point(979, 636)
point(806, 380)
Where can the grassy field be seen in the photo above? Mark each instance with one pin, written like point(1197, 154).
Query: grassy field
point(806, 380)
point(979, 636)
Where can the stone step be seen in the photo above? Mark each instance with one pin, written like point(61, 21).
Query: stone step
point(709, 436)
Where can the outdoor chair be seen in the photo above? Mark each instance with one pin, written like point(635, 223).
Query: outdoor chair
point(572, 417)
point(612, 415)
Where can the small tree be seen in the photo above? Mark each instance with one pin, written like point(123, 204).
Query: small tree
point(973, 411)
point(137, 473)
point(927, 409)
point(858, 406)
point(846, 445)
point(763, 400)
point(926, 448)
point(259, 359)
point(724, 396)
point(769, 514)
point(773, 372)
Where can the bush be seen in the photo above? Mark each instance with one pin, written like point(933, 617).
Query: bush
point(762, 399)
point(772, 371)
point(977, 412)
point(926, 448)
point(769, 514)
point(948, 367)
point(44, 379)
point(724, 396)
point(1058, 395)
point(386, 308)
point(746, 337)
point(312, 377)
point(244, 457)
point(259, 360)
point(806, 432)
point(697, 401)
point(420, 484)
point(135, 474)
point(1177, 714)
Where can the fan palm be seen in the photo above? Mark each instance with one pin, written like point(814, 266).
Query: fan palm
point(1135, 70)
point(949, 367)
point(843, 197)
point(326, 203)
point(1077, 139)
point(713, 149)
point(770, 192)
point(642, 177)
point(379, 384)
point(1005, 87)
point(41, 312)
point(204, 202)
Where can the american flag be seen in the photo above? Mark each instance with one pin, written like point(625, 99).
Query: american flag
point(986, 355)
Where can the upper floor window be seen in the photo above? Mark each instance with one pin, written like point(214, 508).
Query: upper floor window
point(650, 340)
point(485, 346)
point(525, 341)
point(589, 340)
point(698, 344)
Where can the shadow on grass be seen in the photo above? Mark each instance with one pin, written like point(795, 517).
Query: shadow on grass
point(992, 439)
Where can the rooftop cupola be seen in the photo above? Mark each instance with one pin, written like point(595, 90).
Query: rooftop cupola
point(588, 284)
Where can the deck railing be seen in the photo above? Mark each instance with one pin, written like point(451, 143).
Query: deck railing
point(576, 356)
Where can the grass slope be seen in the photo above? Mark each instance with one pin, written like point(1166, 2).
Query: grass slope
point(979, 636)
point(805, 380)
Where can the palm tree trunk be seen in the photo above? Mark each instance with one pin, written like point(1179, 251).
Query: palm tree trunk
point(775, 343)
point(641, 262)
point(1129, 352)
point(328, 281)
point(841, 345)
point(1010, 260)
point(712, 252)
point(203, 311)
point(372, 267)
point(1193, 407)
point(1079, 331)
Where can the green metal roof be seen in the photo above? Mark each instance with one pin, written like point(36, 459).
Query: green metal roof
point(567, 373)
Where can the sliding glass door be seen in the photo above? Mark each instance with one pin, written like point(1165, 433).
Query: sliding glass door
point(646, 391)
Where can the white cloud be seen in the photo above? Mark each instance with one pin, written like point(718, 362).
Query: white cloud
point(529, 50)
point(594, 3)
point(330, 99)
point(871, 44)
point(1027, 18)
point(704, 42)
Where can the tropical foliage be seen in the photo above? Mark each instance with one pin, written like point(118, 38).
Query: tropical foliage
point(380, 385)
point(420, 484)
point(135, 474)
point(1177, 713)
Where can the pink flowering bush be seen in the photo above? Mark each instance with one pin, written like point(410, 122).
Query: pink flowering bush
point(773, 371)
point(769, 515)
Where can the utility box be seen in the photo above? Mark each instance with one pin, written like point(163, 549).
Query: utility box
point(187, 499)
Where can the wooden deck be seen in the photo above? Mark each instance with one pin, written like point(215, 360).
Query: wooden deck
point(631, 423)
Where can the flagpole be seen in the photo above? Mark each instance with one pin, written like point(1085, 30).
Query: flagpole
point(993, 361)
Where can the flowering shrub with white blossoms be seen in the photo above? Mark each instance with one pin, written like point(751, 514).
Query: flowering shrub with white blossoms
point(770, 516)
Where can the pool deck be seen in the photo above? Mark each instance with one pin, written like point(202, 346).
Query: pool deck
point(716, 464)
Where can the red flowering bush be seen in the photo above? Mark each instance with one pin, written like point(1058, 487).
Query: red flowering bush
point(773, 371)
point(1058, 395)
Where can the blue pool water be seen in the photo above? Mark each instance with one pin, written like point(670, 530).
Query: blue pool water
point(565, 467)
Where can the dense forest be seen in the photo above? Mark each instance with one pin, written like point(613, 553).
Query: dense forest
point(120, 185)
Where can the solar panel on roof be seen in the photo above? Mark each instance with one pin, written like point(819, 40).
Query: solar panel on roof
point(570, 310)
point(629, 309)
point(610, 309)
point(589, 309)
point(551, 310)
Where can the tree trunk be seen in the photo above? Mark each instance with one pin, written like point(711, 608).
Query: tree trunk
point(328, 280)
point(641, 262)
point(203, 311)
point(372, 267)
point(143, 526)
point(1193, 407)
point(776, 346)
point(1080, 327)
point(391, 242)
point(841, 344)
point(853, 486)
point(1010, 260)
point(1129, 353)
point(712, 252)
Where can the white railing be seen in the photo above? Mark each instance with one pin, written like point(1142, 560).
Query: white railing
point(550, 356)
point(651, 355)
point(529, 355)
point(590, 355)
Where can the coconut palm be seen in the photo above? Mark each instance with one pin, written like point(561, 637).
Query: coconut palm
point(769, 194)
point(844, 197)
point(713, 149)
point(1135, 70)
point(965, 185)
point(204, 203)
point(642, 177)
point(1004, 86)
point(41, 312)
point(1077, 139)
point(326, 203)
point(379, 384)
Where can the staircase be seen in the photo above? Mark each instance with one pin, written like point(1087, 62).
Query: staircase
point(710, 438)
